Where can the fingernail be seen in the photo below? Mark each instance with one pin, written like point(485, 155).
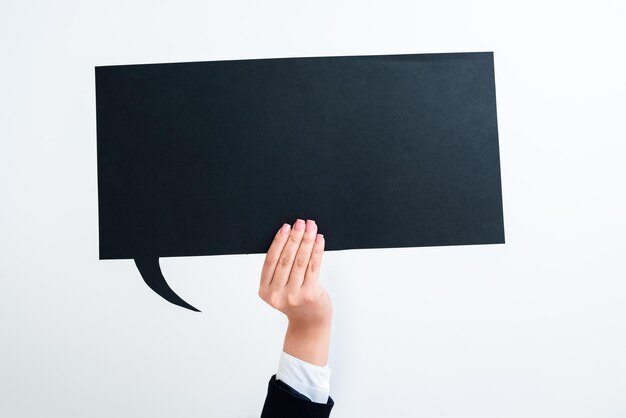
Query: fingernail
point(299, 225)
point(285, 229)
point(319, 238)
point(310, 225)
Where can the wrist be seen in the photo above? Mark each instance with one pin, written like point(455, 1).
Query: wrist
point(308, 341)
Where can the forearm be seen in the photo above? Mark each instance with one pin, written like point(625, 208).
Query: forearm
point(308, 342)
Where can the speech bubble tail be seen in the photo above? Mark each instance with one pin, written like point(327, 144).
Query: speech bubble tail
point(150, 270)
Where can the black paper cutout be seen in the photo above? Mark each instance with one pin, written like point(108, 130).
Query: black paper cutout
point(150, 270)
point(208, 158)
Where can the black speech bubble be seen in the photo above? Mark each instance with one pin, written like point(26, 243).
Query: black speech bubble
point(208, 158)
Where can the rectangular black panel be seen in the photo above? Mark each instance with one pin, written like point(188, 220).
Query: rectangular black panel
point(209, 158)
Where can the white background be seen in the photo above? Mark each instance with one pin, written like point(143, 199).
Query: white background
point(532, 328)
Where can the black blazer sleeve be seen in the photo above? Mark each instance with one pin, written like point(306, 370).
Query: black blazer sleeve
point(283, 401)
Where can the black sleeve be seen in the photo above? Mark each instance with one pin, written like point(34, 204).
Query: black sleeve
point(283, 401)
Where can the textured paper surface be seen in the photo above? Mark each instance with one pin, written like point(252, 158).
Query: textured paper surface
point(209, 158)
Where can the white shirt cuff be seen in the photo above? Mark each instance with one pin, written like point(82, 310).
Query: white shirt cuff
point(311, 380)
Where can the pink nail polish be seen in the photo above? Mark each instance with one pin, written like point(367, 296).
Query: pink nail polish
point(299, 225)
point(285, 229)
point(310, 225)
point(319, 238)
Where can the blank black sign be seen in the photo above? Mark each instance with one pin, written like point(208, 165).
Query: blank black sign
point(207, 158)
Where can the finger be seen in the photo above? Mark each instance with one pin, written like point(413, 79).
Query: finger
point(298, 270)
point(288, 255)
point(312, 276)
point(273, 254)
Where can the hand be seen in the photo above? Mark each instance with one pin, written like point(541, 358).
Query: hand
point(290, 283)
